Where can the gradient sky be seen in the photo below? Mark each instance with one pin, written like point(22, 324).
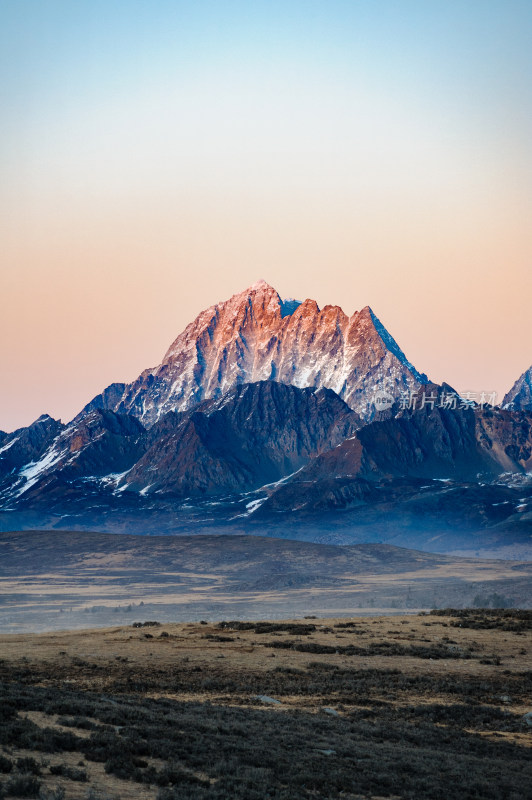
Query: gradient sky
point(157, 157)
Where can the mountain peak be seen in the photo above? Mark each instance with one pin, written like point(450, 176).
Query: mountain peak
point(259, 286)
point(44, 418)
point(256, 336)
point(259, 292)
point(519, 398)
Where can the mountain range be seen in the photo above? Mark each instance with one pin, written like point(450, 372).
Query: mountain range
point(273, 413)
point(256, 336)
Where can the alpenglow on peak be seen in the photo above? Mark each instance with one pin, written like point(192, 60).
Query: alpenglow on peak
point(257, 336)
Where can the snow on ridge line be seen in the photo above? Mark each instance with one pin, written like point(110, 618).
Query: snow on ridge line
point(9, 444)
point(288, 306)
point(214, 353)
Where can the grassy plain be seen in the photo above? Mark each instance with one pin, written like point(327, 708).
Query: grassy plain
point(65, 580)
point(405, 706)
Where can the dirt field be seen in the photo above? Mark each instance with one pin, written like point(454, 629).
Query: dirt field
point(418, 706)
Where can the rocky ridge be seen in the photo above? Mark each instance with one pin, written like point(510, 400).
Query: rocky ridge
point(256, 336)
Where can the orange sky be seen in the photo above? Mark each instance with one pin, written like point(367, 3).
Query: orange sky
point(343, 157)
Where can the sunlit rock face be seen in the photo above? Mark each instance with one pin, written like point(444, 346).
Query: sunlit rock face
point(256, 336)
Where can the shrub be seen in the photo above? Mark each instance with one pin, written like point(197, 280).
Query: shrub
point(94, 794)
point(172, 774)
point(120, 765)
point(78, 722)
point(148, 624)
point(72, 773)
point(5, 764)
point(28, 766)
point(23, 786)
point(293, 628)
point(52, 794)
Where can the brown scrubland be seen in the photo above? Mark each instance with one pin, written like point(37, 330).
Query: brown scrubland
point(429, 705)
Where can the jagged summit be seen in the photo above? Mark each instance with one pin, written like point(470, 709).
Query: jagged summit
point(43, 418)
point(256, 336)
point(259, 285)
point(519, 397)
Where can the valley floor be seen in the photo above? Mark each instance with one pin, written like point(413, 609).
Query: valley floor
point(430, 705)
point(53, 580)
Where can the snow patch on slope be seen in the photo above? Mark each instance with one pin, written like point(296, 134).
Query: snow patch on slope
point(9, 444)
point(33, 471)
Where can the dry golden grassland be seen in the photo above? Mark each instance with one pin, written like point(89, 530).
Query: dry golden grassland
point(418, 706)
point(56, 579)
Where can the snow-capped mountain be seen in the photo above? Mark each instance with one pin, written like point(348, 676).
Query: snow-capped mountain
point(25, 447)
point(264, 407)
point(255, 434)
point(267, 449)
point(520, 395)
point(256, 336)
point(95, 444)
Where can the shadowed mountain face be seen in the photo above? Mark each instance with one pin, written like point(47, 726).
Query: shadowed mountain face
point(93, 445)
point(432, 443)
point(26, 444)
point(431, 471)
point(291, 461)
point(24, 447)
point(256, 434)
point(519, 398)
point(255, 336)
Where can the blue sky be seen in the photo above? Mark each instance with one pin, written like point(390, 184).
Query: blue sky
point(356, 152)
point(449, 75)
